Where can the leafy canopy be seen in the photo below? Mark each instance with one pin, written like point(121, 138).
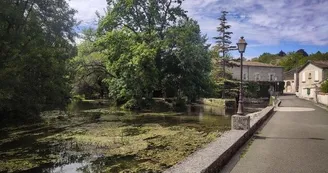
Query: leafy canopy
point(152, 46)
point(36, 39)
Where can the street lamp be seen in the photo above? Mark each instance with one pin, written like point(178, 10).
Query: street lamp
point(241, 48)
point(278, 89)
point(276, 84)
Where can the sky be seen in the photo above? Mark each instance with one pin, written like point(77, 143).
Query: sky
point(267, 25)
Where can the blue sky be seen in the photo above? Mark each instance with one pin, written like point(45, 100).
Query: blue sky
point(267, 25)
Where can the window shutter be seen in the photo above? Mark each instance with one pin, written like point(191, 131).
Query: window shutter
point(303, 77)
point(316, 75)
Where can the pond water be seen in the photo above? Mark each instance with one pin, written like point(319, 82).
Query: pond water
point(94, 138)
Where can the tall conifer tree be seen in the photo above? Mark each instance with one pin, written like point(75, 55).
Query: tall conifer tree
point(223, 42)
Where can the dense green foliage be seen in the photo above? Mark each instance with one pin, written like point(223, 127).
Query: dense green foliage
point(268, 58)
point(132, 64)
point(297, 60)
point(257, 89)
point(252, 89)
point(291, 60)
point(324, 86)
point(152, 46)
point(88, 69)
point(35, 41)
point(139, 49)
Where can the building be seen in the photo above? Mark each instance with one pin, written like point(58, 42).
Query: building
point(311, 75)
point(257, 71)
point(290, 80)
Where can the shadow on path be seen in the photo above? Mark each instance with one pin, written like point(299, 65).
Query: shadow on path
point(265, 137)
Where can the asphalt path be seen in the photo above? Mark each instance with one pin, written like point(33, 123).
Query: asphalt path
point(294, 139)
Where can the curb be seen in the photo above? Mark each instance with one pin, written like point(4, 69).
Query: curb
point(218, 153)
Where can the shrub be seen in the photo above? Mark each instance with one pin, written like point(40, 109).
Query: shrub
point(324, 86)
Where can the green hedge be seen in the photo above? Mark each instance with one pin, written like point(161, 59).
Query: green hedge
point(261, 89)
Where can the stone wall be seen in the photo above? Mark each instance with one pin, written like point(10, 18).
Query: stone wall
point(323, 99)
point(214, 102)
point(216, 154)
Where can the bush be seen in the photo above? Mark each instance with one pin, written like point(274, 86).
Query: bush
point(132, 104)
point(261, 88)
point(324, 86)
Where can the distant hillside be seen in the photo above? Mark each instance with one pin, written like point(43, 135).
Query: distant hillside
point(290, 60)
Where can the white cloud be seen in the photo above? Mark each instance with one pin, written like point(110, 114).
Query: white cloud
point(260, 21)
point(265, 22)
point(87, 10)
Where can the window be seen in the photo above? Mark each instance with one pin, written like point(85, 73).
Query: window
point(271, 77)
point(257, 77)
point(245, 76)
point(310, 76)
point(316, 76)
point(303, 77)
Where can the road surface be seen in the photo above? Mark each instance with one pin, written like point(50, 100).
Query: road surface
point(295, 139)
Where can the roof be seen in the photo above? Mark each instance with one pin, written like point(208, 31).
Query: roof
point(289, 75)
point(320, 64)
point(256, 64)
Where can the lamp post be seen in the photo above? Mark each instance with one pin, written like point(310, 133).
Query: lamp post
point(241, 48)
point(278, 89)
point(275, 86)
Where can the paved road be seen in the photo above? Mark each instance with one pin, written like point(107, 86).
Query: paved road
point(291, 141)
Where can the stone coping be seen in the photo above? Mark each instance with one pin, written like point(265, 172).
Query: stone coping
point(216, 154)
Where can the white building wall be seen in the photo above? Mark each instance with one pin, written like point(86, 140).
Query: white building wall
point(252, 71)
point(310, 77)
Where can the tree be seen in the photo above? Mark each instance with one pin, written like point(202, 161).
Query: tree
point(35, 41)
point(319, 56)
point(188, 65)
point(148, 51)
point(282, 53)
point(292, 60)
point(145, 21)
point(268, 58)
point(297, 59)
point(132, 64)
point(223, 41)
point(217, 70)
point(89, 69)
point(145, 16)
point(302, 52)
point(324, 87)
